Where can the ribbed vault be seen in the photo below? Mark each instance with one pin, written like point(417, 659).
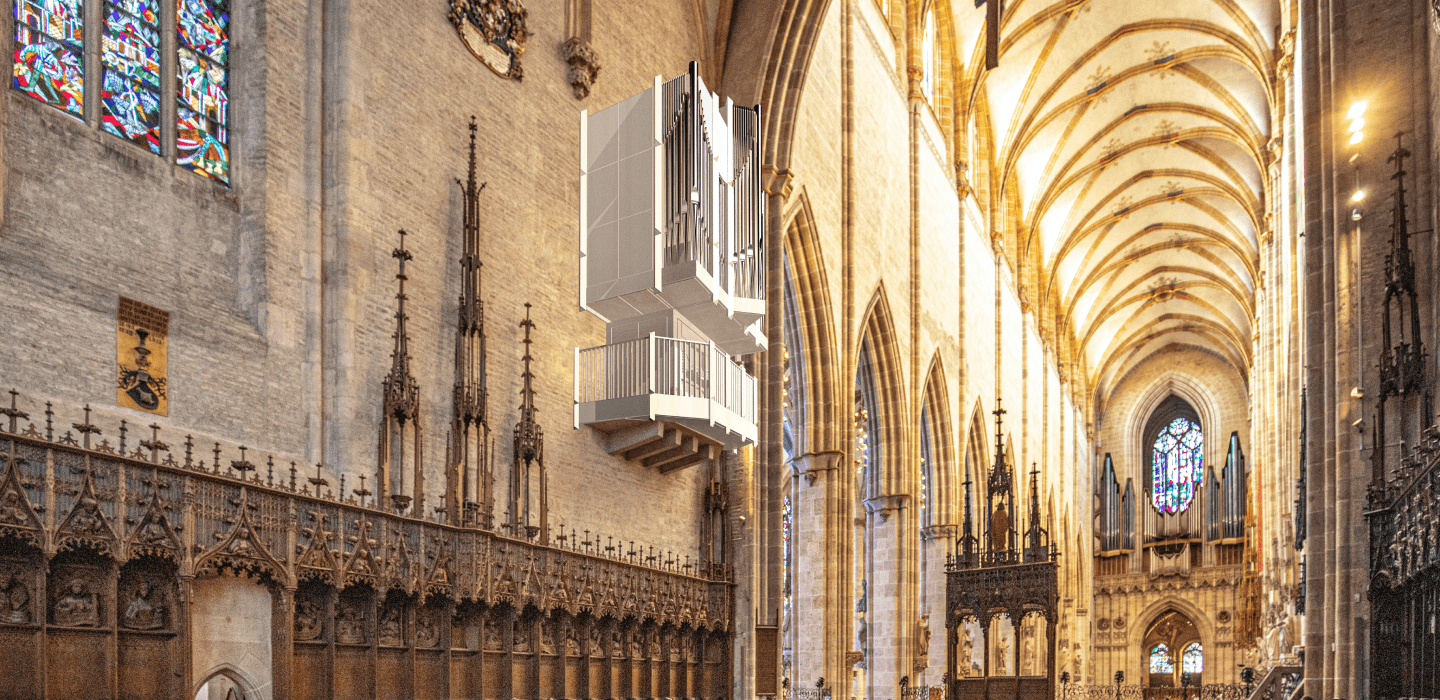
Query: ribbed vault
point(1128, 143)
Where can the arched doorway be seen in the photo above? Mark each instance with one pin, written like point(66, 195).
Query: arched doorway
point(1174, 656)
point(224, 684)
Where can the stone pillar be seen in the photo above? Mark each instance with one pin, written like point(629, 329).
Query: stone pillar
point(890, 611)
point(821, 583)
point(938, 539)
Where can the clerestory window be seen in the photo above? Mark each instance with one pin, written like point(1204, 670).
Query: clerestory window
point(49, 65)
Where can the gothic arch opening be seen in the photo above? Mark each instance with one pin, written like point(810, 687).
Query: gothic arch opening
point(226, 683)
point(1173, 654)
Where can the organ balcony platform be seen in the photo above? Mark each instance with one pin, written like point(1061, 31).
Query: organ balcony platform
point(671, 233)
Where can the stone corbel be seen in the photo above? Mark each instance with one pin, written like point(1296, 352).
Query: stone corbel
point(940, 532)
point(885, 506)
point(813, 464)
point(777, 183)
point(584, 65)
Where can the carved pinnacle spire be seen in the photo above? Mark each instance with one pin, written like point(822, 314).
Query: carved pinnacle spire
point(401, 393)
point(527, 431)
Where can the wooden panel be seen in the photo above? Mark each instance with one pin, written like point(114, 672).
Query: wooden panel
point(310, 677)
point(494, 664)
point(354, 673)
point(574, 666)
point(598, 687)
point(79, 665)
point(20, 673)
point(767, 655)
point(432, 675)
point(520, 678)
point(392, 675)
point(463, 675)
point(147, 667)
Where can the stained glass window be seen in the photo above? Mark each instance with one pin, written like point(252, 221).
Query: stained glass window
point(202, 137)
point(1177, 464)
point(130, 52)
point(1193, 659)
point(787, 520)
point(1160, 661)
point(49, 52)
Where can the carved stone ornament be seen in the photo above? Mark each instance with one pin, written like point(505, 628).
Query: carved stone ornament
point(75, 606)
point(1435, 15)
point(493, 30)
point(14, 598)
point(427, 631)
point(146, 607)
point(350, 623)
point(584, 65)
point(309, 621)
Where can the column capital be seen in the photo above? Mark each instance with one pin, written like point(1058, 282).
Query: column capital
point(777, 182)
point(887, 505)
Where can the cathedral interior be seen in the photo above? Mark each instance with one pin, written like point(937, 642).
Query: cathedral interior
point(800, 349)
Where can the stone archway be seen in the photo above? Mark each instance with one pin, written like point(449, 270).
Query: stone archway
point(1172, 653)
point(226, 682)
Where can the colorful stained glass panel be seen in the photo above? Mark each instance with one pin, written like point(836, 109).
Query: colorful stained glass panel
point(130, 92)
point(49, 45)
point(204, 26)
point(1177, 464)
point(1192, 660)
point(203, 133)
point(1160, 661)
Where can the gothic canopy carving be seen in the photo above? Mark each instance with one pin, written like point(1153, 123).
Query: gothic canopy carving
point(493, 30)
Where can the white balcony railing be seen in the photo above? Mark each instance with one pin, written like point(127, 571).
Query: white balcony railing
point(657, 378)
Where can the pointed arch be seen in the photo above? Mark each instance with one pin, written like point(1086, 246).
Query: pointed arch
point(977, 451)
point(821, 417)
point(939, 498)
point(880, 341)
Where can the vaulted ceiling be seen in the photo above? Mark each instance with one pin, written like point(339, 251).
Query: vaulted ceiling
point(1132, 136)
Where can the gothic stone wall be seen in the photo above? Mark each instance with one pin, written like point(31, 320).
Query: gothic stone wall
point(345, 128)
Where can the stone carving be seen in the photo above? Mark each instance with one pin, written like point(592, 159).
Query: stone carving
point(492, 636)
point(12, 511)
point(967, 653)
point(584, 65)
point(595, 648)
point(547, 637)
point(392, 627)
point(494, 31)
point(350, 624)
point(1002, 653)
point(572, 642)
point(427, 633)
point(922, 643)
point(308, 625)
point(523, 644)
point(76, 606)
point(14, 600)
point(146, 609)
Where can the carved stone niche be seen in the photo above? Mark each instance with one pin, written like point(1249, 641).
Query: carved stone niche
point(353, 615)
point(147, 596)
point(428, 624)
point(391, 628)
point(312, 612)
point(78, 596)
point(18, 584)
point(466, 631)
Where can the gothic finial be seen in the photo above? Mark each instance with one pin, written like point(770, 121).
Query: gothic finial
point(401, 394)
point(468, 460)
